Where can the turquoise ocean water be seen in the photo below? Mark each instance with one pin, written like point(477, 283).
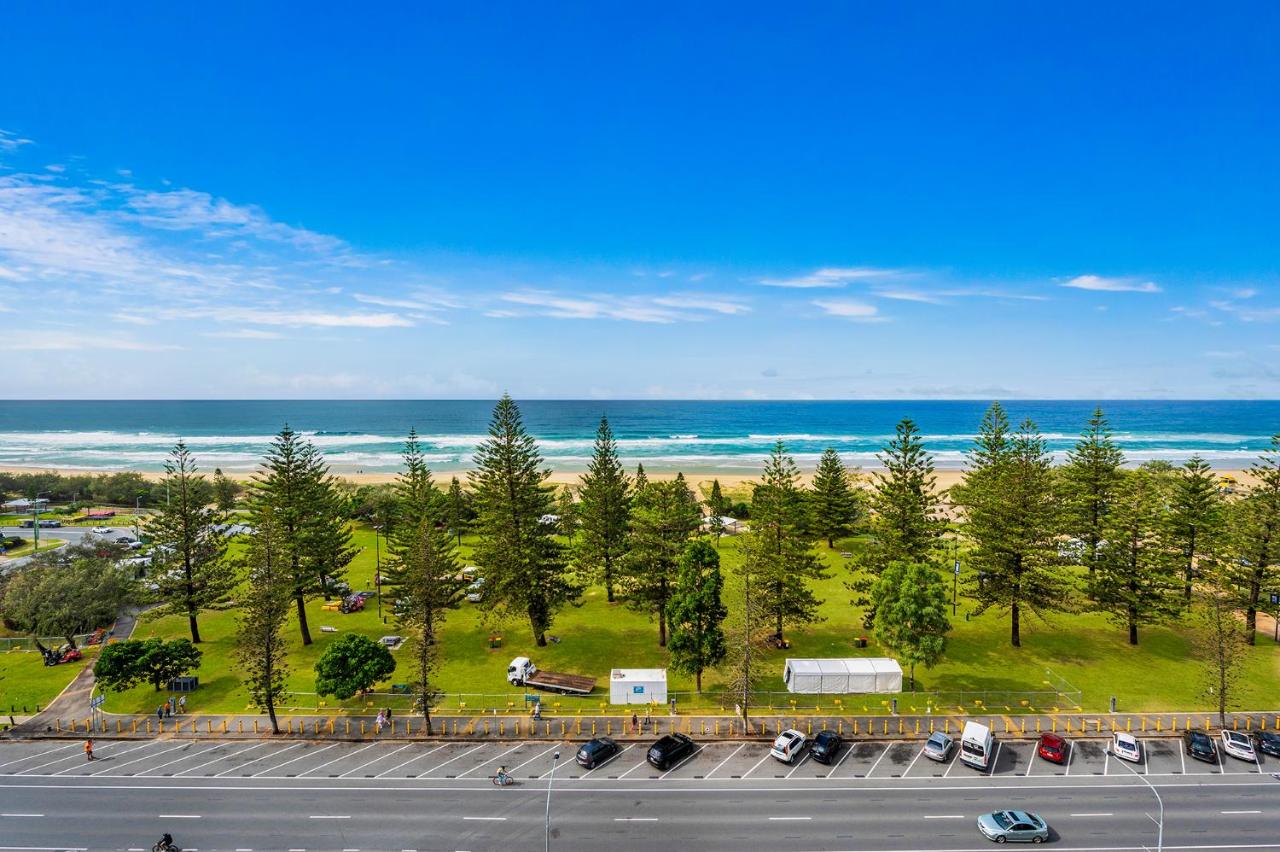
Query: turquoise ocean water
point(729, 437)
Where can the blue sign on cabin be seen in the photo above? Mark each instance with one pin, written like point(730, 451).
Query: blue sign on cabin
point(637, 690)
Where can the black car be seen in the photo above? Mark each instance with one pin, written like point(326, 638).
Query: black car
point(1267, 742)
point(1199, 746)
point(596, 752)
point(669, 750)
point(826, 745)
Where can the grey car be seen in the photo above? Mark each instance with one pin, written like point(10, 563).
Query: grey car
point(938, 747)
point(1013, 827)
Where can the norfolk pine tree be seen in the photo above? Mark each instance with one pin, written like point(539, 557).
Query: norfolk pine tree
point(604, 512)
point(696, 612)
point(1195, 516)
point(911, 614)
point(835, 503)
point(717, 506)
point(264, 607)
point(525, 564)
point(664, 516)
point(1137, 581)
point(225, 491)
point(1089, 480)
point(456, 513)
point(1257, 533)
point(1219, 637)
point(194, 573)
point(566, 513)
point(905, 524)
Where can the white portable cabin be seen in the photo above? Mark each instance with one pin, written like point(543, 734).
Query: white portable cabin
point(638, 686)
point(843, 676)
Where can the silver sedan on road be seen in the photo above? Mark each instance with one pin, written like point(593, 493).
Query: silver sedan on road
point(1013, 827)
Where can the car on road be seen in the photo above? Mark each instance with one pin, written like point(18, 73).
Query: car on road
point(826, 745)
point(1013, 827)
point(788, 746)
point(595, 752)
point(1238, 746)
point(1052, 748)
point(124, 539)
point(1198, 745)
point(102, 531)
point(938, 747)
point(1126, 747)
point(669, 751)
point(1267, 742)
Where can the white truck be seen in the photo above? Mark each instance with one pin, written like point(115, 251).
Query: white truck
point(977, 745)
point(522, 672)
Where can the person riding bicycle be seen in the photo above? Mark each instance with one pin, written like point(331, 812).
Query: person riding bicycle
point(503, 777)
point(166, 843)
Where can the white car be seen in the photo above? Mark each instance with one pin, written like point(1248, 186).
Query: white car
point(788, 746)
point(475, 591)
point(1238, 746)
point(102, 531)
point(1126, 747)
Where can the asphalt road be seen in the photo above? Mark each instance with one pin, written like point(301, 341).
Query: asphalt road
point(68, 534)
point(346, 797)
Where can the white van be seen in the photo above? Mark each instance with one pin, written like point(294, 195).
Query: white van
point(977, 745)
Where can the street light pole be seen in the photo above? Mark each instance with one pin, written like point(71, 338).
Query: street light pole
point(1159, 801)
point(377, 567)
point(955, 576)
point(555, 759)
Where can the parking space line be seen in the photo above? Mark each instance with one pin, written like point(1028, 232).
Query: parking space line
point(740, 747)
point(294, 760)
point(995, 758)
point(487, 762)
point(644, 762)
point(535, 757)
point(955, 758)
point(878, 759)
point(691, 756)
point(907, 771)
point(1221, 770)
point(464, 753)
point(757, 766)
point(1071, 756)
point(37, 754)
point(256, 759)
point(610, 760)
point(803, 758)
point(375, 760)
point(233, 753)
point(411, 760)
point(139, 759)
point(848, 751)
point(336, 759)
point(122, 754)
point(176, 760)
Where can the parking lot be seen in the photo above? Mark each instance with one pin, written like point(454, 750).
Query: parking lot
point(533, 760)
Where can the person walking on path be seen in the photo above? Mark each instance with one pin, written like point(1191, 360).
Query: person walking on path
point(182, 704)
point(379, 722)
point(88, 749)
point(160, 713)
point(635, 723)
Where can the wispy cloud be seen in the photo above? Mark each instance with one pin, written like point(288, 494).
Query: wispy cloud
point(10, 141)
point(651, 309)
point(65, 341)
point(695, 302)
point(849, 309)
point(1104, 284)
point(831, 277)
point(245, 334)
point(295, 318)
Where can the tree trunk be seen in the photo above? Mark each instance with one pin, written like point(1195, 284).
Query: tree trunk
point(697, 676)
point(831, 545)
point(271, 711)
point(608, 579)
point(1251, 614)
point(539, 638)
point(913, 675)
point(1015, 621)
point(302, 619)
point(1191, 565)
point(662, 627)
point(1133, 627)
point(195, 628)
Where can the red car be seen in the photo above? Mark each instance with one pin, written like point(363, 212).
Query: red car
point(1052, 748)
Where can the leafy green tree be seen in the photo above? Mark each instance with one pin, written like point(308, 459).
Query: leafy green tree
point(161, 661)
point(1010, 516)
point(566, 514)
point(415, 496)
point(74, 589)
point(192, 572)
point(717, 508)
point(1089, 480)
point(1196, 513)
point(905, 525)
point(264, 607)
point(305, 506)
point(1256, 528)
point(664, 516)
point(779, 545)
point(911, 614)
point(1136, 581)
point(696, 613)
point(835, 504)
point(641, 479)
point(525, 564)
point(604, 512)
point(1218, 637)
point(225, 491)
point(116, 668)
point(457, 512)
point(352, 663)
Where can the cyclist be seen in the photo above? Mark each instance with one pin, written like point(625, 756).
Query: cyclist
point(503, 777)
point(165, 844)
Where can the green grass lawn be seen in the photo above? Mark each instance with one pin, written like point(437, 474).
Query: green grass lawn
point(1084, 649)
point(25, 681)
point(27, 548)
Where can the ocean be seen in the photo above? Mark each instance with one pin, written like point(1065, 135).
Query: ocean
point(702, 437)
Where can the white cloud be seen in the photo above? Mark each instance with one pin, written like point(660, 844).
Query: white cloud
point(65, 341)
point(651, 309)
point(245, 334)
point(10, 141)
point(849, 309)
point(908, 296)
point(1111, 285)
point(703, 303)
point(297, 318)
point(1244, 293)
point(831, 277)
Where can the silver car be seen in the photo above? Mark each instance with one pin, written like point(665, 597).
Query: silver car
point(1013, 827)
point(938, 747)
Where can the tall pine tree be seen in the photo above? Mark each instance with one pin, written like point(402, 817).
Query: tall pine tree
point(905, 524)
point(717, 508)
point(525, 565)
point(1257, 534)
point(834, 503)
point(604, 512)
point(696, 612)
point(1089, 480)
point(1195, 516)
point(264, 607)
point(457, 514)
point(664, 516)
point(190, 552)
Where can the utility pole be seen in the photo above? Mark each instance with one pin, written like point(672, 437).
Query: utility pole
point(955, 576)
point(377, 562)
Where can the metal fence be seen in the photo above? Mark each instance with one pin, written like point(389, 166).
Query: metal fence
point(26, 643)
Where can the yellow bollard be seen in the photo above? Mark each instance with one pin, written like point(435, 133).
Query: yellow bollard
point(255, 726)
point(810, 728)
point(1248, 723)
point(133, 728)
point(562, 729)
point(1128, 724)
point(917, 726)
point(840, 727)
point(362, 727)
point(899, 727)
point(855, 727)
point(347, 726)
point(517, 727)
point(931, 726)
point(1054, 729)
point(885, 723)
point(240, 726)
point(1022, 726)
point(1235, 724)
point(1206, 722)
point(208, 724)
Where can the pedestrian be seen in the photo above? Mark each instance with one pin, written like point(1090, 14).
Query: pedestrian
point(635, 723)
point(182, 704)
point(88, 749)
point(160, 712)
point(387, 715)
point(379, 722)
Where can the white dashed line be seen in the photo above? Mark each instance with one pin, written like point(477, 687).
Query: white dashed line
point(486, 819)
point(789, 819)
point(178, 816)
point(635, 819)
point(21, 815)
point(944, 816)
point(329, 816)
point(1239, 812)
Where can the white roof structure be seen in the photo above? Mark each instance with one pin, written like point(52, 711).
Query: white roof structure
point(645, 675)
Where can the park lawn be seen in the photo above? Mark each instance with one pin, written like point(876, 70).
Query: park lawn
point(27, 683)
point(27, 548)
point(1085, 650)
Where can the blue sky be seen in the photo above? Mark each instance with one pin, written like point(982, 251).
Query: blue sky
point(608, 200)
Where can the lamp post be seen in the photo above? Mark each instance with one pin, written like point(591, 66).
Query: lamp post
point(555, 759)
point(955, 575)
point(35, 523)
point(377, 563)
point(1159, 823)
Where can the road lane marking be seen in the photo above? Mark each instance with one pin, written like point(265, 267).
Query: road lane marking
point(21, 815)
point(330, 816)
point(767, 756)
point(803, 758)
point(487, 762)
point(789, 819)
point(122, 754)
point(464, 753)
point(848, 751)
point(644, 762)
point(616, 756)
point(740, 747)
point(294, 760)
point(1092, 815)
point(907, 771)
point(944, 816)
point(37, 754)
point(176, 760)
point(878, 759)
point(636, 819)
point(1239, 812)
point(485, 819)
point(256, 759)
point(139, 760)
point(336, 759)
point(995, 758)
point(178, 816)
point(375, 760)
point(412, 759)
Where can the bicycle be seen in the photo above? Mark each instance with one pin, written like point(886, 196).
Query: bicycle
point(165, 847)
point(502, 779)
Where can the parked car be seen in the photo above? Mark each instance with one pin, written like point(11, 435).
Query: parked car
point(1267, 742)
point(351, 603)
point(1238, 746)
point(1199, 746)
point(788, 745)
point(938, 747)
point(102, 531)
point(1013, 827)
point(1126, 747)
point(475, 591)
point(596, 752)
point(669, 750)
point(1052, 748)
point(125, 539)
point(51, 524)
point(826, 746)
